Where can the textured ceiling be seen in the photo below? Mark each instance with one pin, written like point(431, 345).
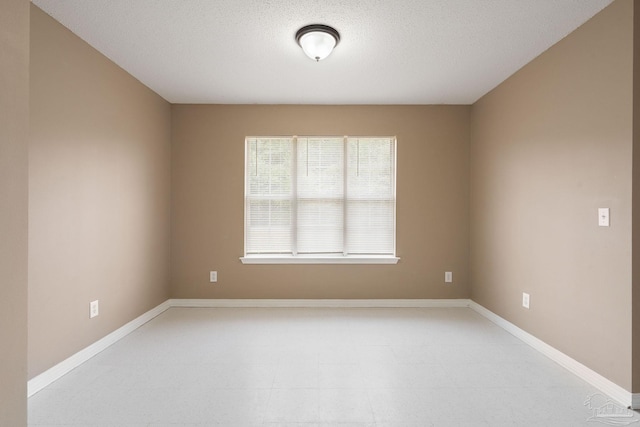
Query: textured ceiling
point(391, 52)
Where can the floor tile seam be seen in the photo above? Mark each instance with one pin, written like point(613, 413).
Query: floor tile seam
point(264, 409)
point(370, 402)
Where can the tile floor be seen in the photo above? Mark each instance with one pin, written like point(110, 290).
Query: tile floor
point(252, 367)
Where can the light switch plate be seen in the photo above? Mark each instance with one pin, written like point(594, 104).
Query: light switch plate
point(603, 217)
point(213, 276)
point(448, 277)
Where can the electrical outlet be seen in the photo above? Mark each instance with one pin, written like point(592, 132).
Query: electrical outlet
point(213, 276)
point(94, 309)
point(525, 300)
point(448, 277)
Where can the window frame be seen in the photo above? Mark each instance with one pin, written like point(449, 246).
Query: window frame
point(274, 258)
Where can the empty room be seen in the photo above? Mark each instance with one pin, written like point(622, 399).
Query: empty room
point(305, 213)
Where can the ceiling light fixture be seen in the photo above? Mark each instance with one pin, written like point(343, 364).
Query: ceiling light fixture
point(317, 41)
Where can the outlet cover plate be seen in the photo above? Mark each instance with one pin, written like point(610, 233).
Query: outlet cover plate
point(94, 309)
point(525, 300)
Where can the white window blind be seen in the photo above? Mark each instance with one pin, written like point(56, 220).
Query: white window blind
point(269, 203)
point(320, 196)
point(371, 205)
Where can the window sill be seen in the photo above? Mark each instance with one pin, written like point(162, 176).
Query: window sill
point(316, 259)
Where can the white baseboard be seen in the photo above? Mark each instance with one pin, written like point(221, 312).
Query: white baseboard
point(319, 303)
point(47, 377)
point(635, 401)
point(606, 386)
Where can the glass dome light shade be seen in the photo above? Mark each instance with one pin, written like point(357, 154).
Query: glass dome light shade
point(317, 41)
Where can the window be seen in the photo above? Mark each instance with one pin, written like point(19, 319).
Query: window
point(320, 200)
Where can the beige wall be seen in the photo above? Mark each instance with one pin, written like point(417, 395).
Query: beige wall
point(14, 122)
point(636, 200)
point(208, 191)
point(551, 145)
point(99, 195)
